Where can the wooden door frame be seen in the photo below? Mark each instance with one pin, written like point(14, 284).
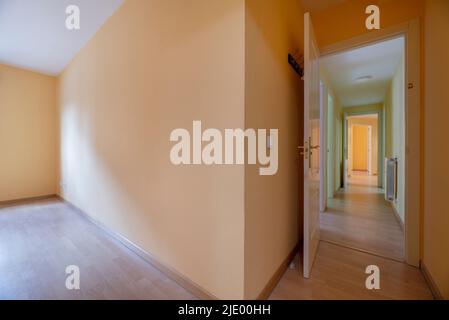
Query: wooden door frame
point(411, 32)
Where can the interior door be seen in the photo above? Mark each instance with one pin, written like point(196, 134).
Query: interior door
point(312, 162)
point(360, 147)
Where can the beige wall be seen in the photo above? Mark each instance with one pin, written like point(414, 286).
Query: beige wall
point(346, 20)
point(115, 159)
point(337, 143)
point(388, 109)
point(339, 151)
point(274, 99)
point(395, 131)
point(27, 134)
point(131, 85)
point(157, 65)
point(436, 213)
point(367, 108)
point(335, 146)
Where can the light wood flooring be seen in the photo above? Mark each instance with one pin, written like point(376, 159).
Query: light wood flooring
point(359, 222)
point(37, 242)
point(339, 274)
point(359, 217)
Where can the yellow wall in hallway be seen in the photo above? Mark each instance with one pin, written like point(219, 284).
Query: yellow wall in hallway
point(436, 217)
point(347, 20)
point(395, 132)
point(274, 99)
point(367, 108)
point(155, 66)
point(336, 168)
point(28, 121)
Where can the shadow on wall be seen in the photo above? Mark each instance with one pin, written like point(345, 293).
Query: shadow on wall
point(274, 99)
point(144, 74)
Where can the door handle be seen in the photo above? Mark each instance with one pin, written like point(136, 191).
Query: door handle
point(305, 150)
point(314, 147)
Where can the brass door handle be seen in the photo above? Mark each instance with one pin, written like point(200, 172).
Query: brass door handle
point(314, 147)
point(305, 150)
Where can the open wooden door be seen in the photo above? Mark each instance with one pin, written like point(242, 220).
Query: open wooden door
point(311, 147)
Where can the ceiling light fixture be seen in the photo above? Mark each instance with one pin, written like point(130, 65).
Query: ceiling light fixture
point(363, 78)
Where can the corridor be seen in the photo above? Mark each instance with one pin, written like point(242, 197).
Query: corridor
point(339, 274)
point(358, 229)
point(359, 217)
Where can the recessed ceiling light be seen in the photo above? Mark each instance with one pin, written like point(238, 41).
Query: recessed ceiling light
point(363, 78)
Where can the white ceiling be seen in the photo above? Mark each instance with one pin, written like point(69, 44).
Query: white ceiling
point(380, 61)
point(33, 33)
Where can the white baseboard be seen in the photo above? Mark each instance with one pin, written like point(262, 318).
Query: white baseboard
point(398, 217)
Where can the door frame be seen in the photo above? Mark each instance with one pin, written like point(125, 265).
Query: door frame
point(324, 156)
point(413, 143)
point(370, 150)
point(380, 142)
point(330, 146)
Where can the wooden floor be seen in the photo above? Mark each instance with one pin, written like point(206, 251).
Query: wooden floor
point(357, 218)
point(339, 274)
point(38, 241)
point(360, 217)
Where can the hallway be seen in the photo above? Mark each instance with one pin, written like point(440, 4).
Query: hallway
point(339, 274)
point(358, 222)
point(359, 217)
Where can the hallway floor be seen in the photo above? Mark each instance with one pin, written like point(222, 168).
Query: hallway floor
point(40, 239)
point(359, 217)
point(339, 274)
point(359, 221)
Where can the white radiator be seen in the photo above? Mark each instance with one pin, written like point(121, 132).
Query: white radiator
point(391, 178)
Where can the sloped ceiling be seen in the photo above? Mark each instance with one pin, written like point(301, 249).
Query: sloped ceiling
point(33, 34)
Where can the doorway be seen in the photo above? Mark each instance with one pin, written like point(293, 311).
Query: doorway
point(408, 93)
point(368, 93)
point(363, 150)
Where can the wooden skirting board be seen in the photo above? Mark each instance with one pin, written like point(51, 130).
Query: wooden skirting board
point(432, 285)
point(176, 276)
point(274, 280)
point(182, 280)
point(171, 273)
point(26, 200)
